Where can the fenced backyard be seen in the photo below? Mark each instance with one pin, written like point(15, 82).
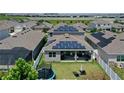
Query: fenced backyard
point(95, 70)
point(65, 71)
point(108, 70)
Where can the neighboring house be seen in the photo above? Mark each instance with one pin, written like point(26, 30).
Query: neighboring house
point(18, 27)
point(82, 26)
point(66, 42)
point(26, 45)
point(116, 27)
point(42, 26)
point(101, 25)
point(11, 26)
point(48, 24)
point(110, 46)
point(59, 29)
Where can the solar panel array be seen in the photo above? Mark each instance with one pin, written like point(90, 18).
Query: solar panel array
point(103, 41)
point(68, 45)
point(66, 28)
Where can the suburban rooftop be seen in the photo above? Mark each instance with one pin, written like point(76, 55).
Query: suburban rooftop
point(102, 22)
point(66, 37)
point(26, 39)
point(64, 24)
point(110, 42)
point(5, 24)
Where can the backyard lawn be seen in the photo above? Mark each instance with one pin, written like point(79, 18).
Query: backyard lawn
point(65, 71)
point(119, 71)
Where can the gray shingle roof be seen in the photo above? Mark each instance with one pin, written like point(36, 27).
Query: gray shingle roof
point(28, 40)
point(81, 25)
point(5, 24)
point(116, 46)
point(101, 22)
point(66, 37)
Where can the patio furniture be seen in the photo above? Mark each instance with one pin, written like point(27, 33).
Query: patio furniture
point(82, 72)
point(76, 74)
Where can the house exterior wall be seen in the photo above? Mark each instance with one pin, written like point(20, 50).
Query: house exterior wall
point(119, 29)
point(100, 26)
point(112, 58)
point(57, 58)
point(103, 26)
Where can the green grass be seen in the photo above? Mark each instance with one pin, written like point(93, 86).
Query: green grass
point(18, 18)
point(2, 73)
point(119, 71)
point(64, 70)
point(93, 71)
point(69, 22)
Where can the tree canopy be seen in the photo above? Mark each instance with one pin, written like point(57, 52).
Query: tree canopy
point(21, 71)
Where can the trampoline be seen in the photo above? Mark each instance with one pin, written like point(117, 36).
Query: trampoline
point(46, 73)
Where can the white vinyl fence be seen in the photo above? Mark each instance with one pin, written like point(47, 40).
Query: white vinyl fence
point(108, 70)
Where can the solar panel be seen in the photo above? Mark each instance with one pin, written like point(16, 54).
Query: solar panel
point(103, 41)
point(66, 28)
point(68, 45)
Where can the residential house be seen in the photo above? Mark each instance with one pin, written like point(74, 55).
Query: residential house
point(117, 27)
point(109, 46)
point(66, 42)
point(82, 26)
point(26, 45)
point(101, 25)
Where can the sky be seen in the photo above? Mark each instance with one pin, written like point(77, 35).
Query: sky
point(61, 6)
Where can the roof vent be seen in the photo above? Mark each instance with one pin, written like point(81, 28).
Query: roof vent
point(0, 43)
point(14, 36)
point(121, 39)
point(66, 35)
point(114, 35)
point(22, 33)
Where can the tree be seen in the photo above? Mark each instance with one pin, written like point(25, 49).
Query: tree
point(40, 22)
point(21, 71)
point(93, 30)
point(113, 29)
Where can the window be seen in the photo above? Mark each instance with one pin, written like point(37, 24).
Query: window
point(54, 54)
point(98, 24)
point(50, 54)
point(120, 58)
point(51, 34)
